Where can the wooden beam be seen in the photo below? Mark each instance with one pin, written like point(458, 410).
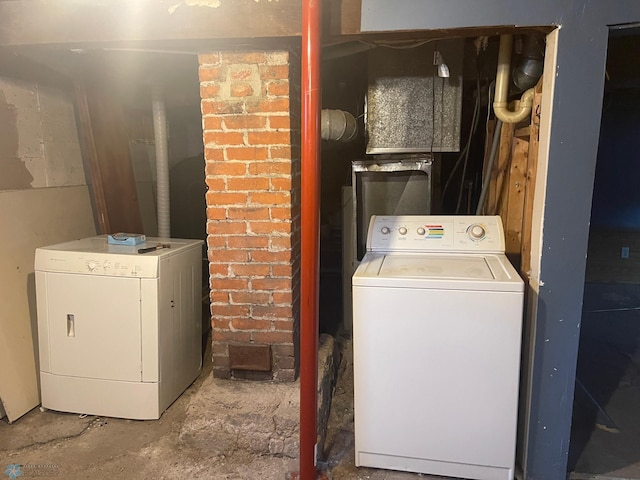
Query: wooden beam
point(516, 199)
point(91, 22)
point(105, 147)
point(498, 197)
point(532, 167)
point(90, 158)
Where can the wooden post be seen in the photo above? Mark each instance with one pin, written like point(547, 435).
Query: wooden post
point(532, 165)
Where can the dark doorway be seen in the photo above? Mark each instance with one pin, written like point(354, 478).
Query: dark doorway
point(606, 419)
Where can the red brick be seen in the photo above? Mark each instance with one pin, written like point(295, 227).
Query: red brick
point(246, 324)
point(216, 242)
point(283, 350)
point(226, 168)
point(271, 257)
point(217, 199)
point(229, 310)
point(218, 348)
point(213, 154)
point(229, 284)
point(243, 57)
point(270, 198)
point(215, 184)
point(220, 323)
point(284, 363)
point(209, 58)
point(267, 106)
point(216, 213)
point(280, 122)
point(226, 228)
point(219, 270)
point(245, 122)
point(281, 243)
point(210, 90)
point(274, 72)
point(277, 152)
point(280, 213)
point(220, 361)
point(285, 298)
point(270, 228)
point(270, 311)
point(219, 297)
point(248, 242)
point(242, 73)
point(247, 153)
point(270, 284)
point(212, 123)
point(283, 325)
point(248, 213)
point(280, 88)
point(241, 90)
point(208, 74)
point(268, 138)
point(229, 336)
point(282, 270)
point(223, 138)
point(272, 337)
point(251, 270)
point(212, 107)
point(249, 297)
point(281, 184)
point(256, 184)
point(270, 168)
point(228, 255)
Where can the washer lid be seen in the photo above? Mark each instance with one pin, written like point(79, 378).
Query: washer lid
point(491, 272)
point(452, 267)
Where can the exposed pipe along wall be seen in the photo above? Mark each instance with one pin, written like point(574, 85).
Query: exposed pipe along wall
point(162, 161)
point(310, 237)
point(522, 108)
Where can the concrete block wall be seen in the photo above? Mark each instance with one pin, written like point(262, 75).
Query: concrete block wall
point(253, 218)
point(39, 146)
point(44, 200)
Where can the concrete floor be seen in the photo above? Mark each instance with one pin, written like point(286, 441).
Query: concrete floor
point(216, 430)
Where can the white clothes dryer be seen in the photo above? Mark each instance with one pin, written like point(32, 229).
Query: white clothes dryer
point(119, 327)
point(437, 332)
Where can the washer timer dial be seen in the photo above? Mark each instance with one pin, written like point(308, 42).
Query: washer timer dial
point(476, 232)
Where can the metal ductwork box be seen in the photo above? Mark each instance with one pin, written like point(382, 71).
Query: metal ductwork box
point(410, 109)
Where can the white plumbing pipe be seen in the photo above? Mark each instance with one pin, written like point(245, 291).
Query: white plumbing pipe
point(162, 161)
point(500, 105)
point(338, 125)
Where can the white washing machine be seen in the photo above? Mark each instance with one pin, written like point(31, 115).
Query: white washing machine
point(437, 316)
point(119, 332)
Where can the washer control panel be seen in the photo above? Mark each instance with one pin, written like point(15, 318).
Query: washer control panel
point(438, 233)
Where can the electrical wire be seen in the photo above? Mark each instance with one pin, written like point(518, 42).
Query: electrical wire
point(474, 120)
point(474, 125)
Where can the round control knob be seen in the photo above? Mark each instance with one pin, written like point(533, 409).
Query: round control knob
point(421, 231)
point(385, 230)
point(402, 231)
point(91, 265)
point(477, 232)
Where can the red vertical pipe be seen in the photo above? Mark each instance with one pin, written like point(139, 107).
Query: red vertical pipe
point(310, 236)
